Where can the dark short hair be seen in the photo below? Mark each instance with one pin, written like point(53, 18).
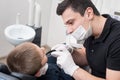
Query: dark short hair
point(77, 5)
point(24, 59)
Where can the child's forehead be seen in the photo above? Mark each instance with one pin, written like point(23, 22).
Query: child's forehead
point(41, 50)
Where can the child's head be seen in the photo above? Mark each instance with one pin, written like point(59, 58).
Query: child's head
point(26, 58)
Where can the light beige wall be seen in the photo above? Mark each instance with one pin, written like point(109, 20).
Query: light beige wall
point(46, 12)
point(8, 11)
point(107, 6)
point(56, 32)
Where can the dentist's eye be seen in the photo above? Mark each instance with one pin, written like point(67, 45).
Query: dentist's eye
point(70, 22)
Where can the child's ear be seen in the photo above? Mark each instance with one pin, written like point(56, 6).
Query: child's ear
point(43, 49)
point(37, 74)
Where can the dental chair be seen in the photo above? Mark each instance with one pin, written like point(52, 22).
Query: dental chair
point(5, 74)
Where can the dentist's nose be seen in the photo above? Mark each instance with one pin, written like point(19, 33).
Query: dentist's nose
point(69, 30)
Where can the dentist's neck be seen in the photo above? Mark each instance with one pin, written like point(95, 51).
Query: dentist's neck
point(98, 25)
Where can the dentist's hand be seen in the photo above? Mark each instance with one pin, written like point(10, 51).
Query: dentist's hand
point(71, 41)
point(61, 47)
point(58, 47)
point(65, 61)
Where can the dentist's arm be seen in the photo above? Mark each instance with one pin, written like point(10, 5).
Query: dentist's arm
point(65, 61)
point(80, 74)
point(79, 57)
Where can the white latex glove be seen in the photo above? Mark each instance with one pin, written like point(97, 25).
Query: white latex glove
point(71, 41)
point(43, 70)
point(58, 47)
point(65, 61)
point(61, 47)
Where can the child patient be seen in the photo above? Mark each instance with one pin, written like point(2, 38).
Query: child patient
point(30, 59)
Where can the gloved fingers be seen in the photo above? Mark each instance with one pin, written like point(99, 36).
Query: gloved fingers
point(60, 62)
point(76, 45)
point(56, 53)
point(61, 47)
point(59, 65)
point(57, 46)
point(70, 39)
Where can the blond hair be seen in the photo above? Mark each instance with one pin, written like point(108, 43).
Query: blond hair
point(25, 58)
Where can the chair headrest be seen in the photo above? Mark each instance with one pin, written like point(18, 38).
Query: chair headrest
point(23, 76)
point(4, 76)
point(4, 68)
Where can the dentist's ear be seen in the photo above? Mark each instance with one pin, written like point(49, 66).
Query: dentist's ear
point(89, 13)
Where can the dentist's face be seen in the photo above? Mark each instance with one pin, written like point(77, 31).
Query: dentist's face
point(72, 20)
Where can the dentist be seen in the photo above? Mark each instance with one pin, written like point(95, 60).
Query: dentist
point(96, 42)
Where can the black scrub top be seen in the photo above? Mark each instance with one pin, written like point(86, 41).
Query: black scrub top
point(104, 52)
